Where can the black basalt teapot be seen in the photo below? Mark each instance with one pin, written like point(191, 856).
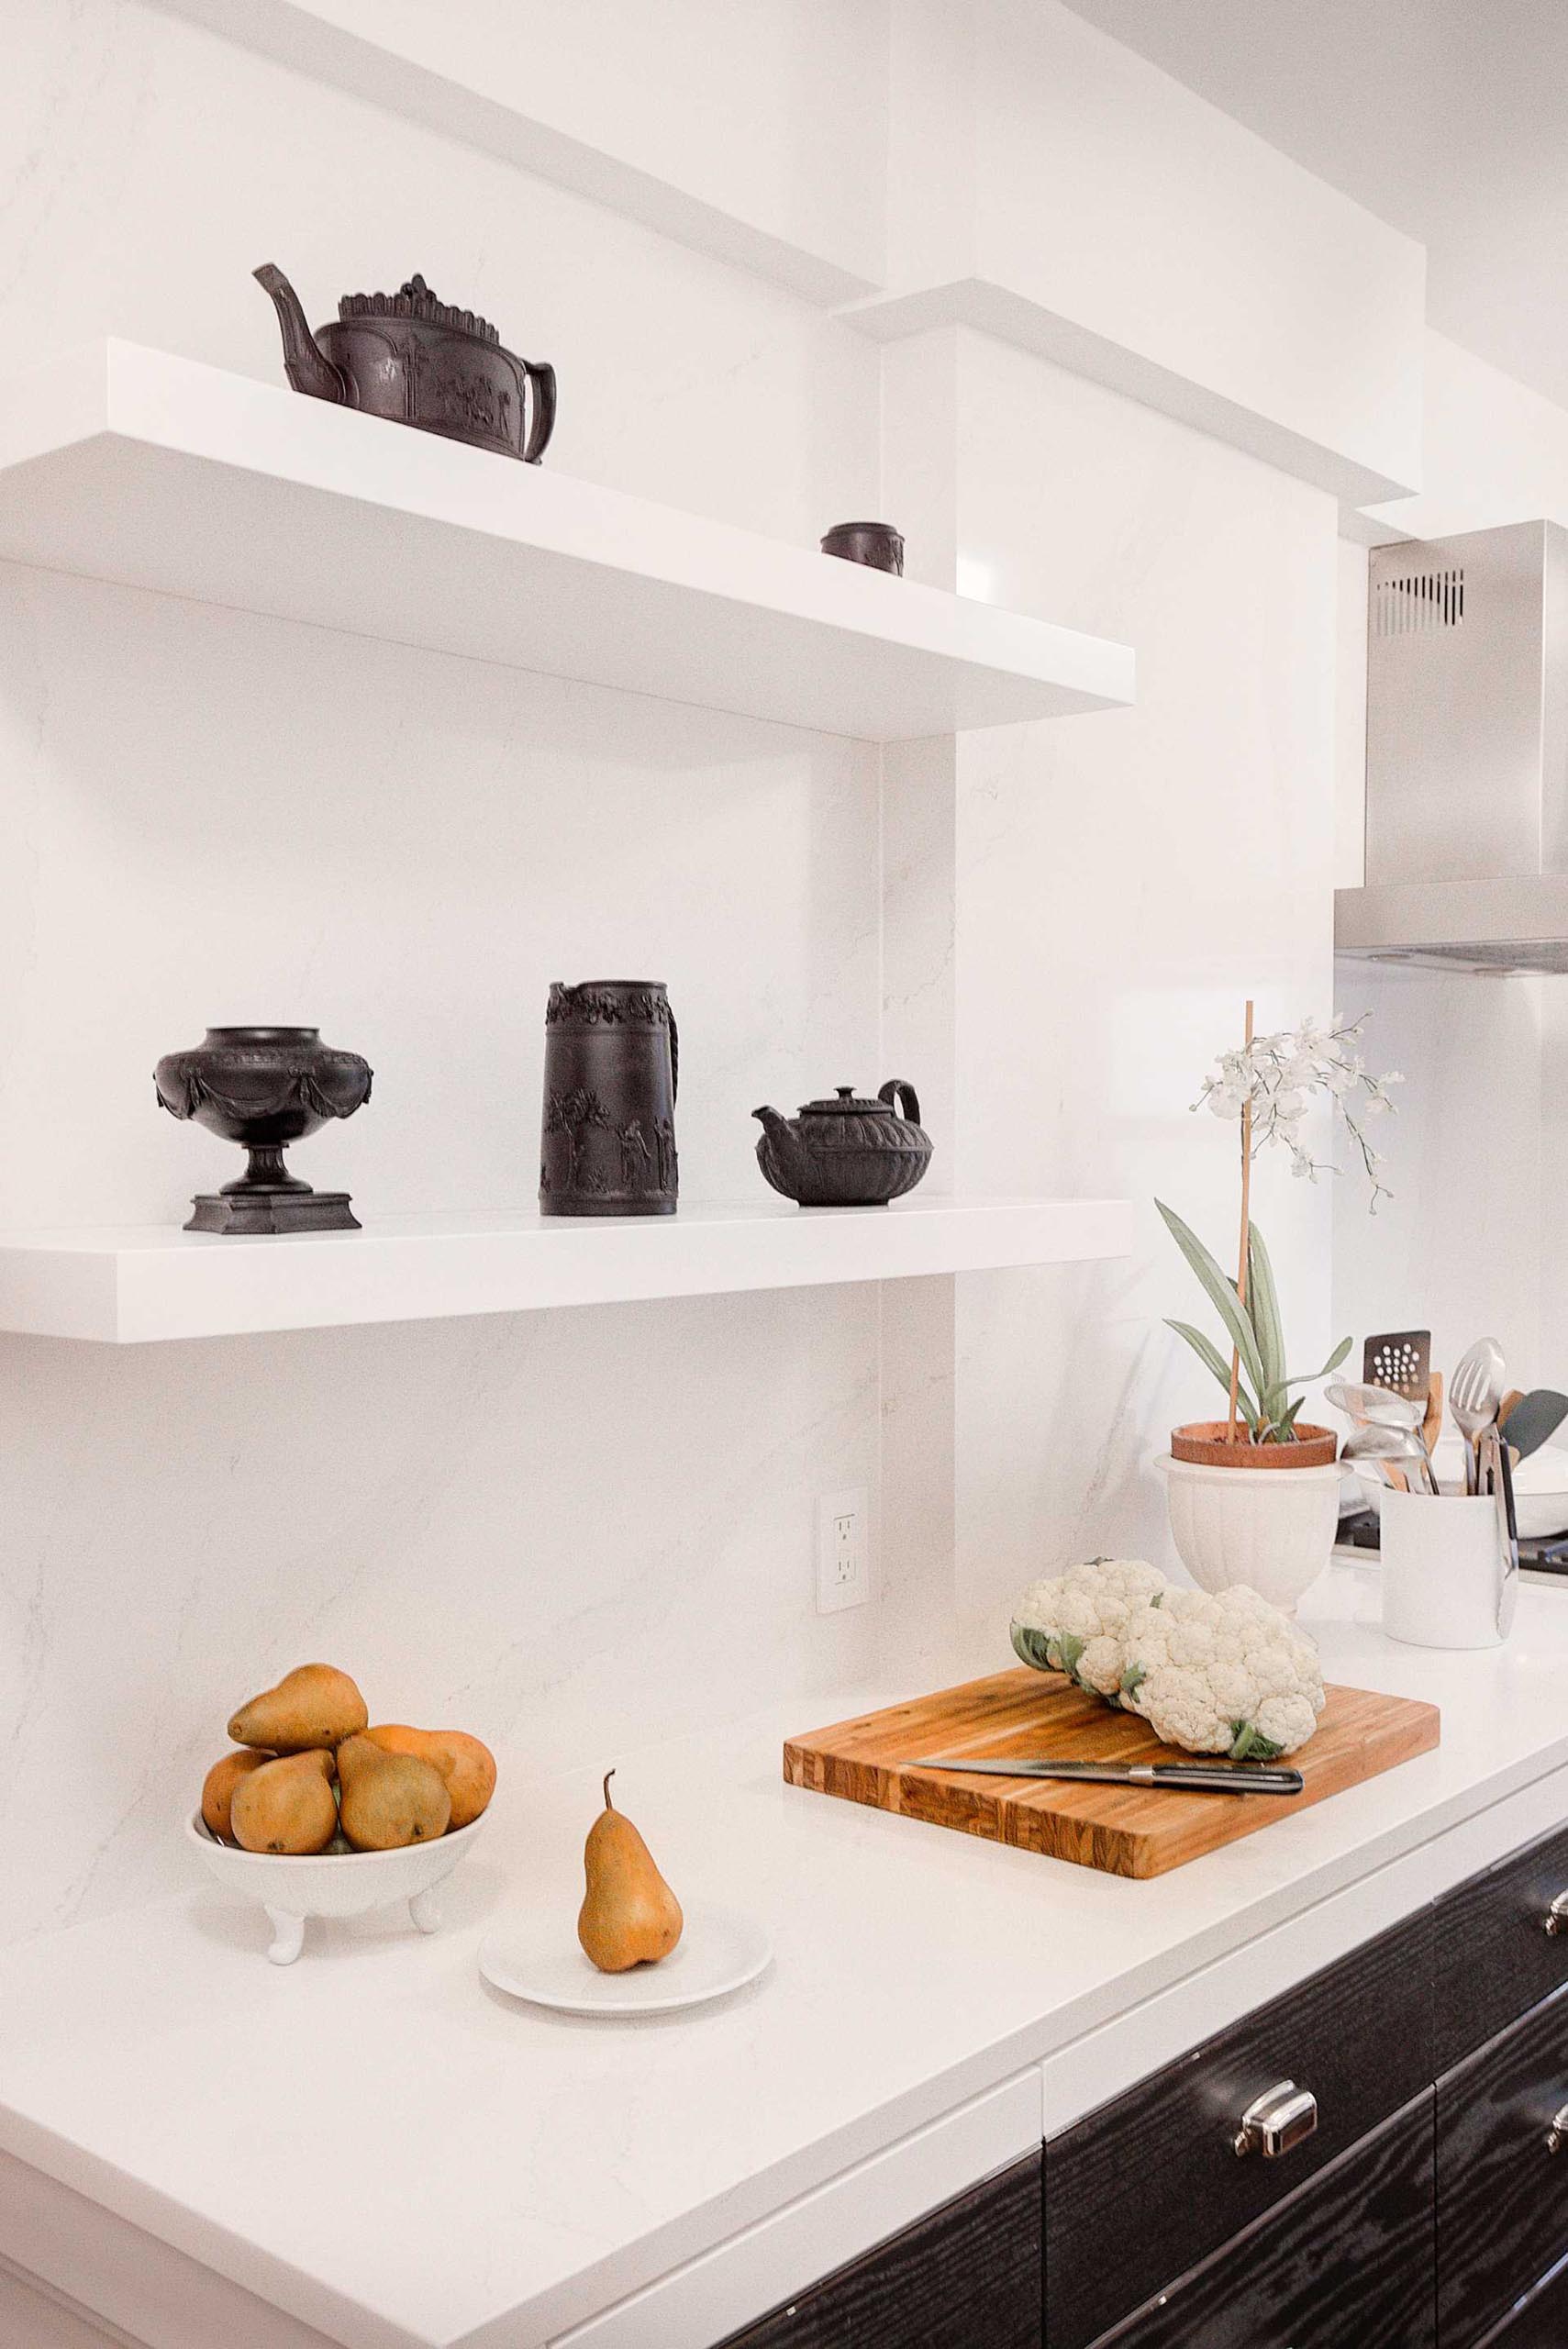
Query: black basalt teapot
point(847, 1152)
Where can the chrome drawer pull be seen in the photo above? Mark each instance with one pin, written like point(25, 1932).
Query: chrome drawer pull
point(1557, 2135)
point(1556, 1919)
point(1280, 2119)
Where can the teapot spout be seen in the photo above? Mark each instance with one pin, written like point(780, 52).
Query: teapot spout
point(782, 1141)
point(306, 364)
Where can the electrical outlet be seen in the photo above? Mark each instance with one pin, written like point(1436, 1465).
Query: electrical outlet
point(843, 1549)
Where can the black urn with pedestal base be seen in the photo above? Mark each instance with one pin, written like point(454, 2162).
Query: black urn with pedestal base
point(264, 1088)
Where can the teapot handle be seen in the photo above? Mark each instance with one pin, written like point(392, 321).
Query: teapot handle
point(543, 378)
point(900, 1095)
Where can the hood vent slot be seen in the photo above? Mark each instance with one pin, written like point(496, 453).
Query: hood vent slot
point(1418, 602)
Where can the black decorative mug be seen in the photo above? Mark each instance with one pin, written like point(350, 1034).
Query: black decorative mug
point(611, 1069)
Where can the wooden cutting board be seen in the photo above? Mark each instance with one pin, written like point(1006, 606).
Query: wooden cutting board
point(1127, 1830)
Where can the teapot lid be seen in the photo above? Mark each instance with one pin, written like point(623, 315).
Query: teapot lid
point(414, 299)
point(847, 1103)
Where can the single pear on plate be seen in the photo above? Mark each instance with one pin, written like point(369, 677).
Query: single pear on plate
point(630, 1916)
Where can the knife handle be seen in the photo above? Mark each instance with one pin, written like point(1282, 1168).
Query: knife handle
point(1236, 1779)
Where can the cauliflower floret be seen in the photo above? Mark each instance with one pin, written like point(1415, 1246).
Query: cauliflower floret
point(1222, 1673)
point(1074, 1623)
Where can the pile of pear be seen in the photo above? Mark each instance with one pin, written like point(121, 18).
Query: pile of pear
point(311, 1774)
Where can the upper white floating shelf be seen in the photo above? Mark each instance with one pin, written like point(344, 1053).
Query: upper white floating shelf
point(123, 463)
point(126, 1287)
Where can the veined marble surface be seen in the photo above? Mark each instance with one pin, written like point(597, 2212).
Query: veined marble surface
point(526, 2169)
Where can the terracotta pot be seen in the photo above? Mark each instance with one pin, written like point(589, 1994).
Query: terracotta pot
point(1205, 1444)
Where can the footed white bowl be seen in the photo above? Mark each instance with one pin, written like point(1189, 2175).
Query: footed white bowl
point(291, 1887)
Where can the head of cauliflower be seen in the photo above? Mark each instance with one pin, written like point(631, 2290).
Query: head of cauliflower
point(1221, 1672)
point(1075, 1622)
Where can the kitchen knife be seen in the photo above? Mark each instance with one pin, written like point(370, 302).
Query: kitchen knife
point(1193, 1777)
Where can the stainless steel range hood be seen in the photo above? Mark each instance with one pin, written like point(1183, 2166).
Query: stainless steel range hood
point(1466, 755)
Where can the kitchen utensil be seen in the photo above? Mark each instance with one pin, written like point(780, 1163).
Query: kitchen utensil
point(1195, 1777)
point(1514, 1395)
point(1124, 1830)
point(294, 1888)
point(1498, 1476)
point(1474, 1393)
point(536, 1957)
point(1368, 1406)
point(1534, 1420)
point(264, 1088)
point(1400, 1359)
point(1392, 1447)
point(412, 360)
point(1540, 1486)
point(611, 1076)
point(1433, 1423)
point(848, 1151)
point(876, 544)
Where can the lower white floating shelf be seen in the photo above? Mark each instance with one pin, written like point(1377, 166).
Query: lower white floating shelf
point(124, 1288)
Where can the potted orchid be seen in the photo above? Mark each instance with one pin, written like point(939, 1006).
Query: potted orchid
point(1235, 1518)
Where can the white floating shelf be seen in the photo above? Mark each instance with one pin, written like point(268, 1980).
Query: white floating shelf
point(124, 1288)
point(123, 464)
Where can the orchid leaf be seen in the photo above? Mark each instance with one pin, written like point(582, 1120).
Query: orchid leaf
point(1221, 1294)
point(1208, 1354)
point(1262, 1306)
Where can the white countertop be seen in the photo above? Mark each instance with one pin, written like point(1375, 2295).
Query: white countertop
point(377, 2143)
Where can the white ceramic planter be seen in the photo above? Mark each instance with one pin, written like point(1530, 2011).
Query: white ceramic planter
point(1272, 1528)
point(291, 1887)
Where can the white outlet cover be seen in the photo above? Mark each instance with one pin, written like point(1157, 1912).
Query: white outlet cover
point(843, 1549)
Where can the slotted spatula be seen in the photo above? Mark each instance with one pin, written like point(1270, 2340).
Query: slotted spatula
point(1400, 1359)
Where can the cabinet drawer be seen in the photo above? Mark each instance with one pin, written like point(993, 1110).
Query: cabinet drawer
point(1495, 1958)
point(1141, 2190)
point(1342, 2263)
point(1502, 2196)
point(966, 2277)
point(1540, 2323)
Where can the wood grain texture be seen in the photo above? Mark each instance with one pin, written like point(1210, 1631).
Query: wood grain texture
point(967, 2277)
point(1127, 1830)
point(1539, 2322)
point(1343, 2263)
point(1495, 1958)
point(1145, 2187)
point(1502, 2197)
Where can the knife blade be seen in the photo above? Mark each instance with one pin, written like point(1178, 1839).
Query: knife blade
point(1195, 1777)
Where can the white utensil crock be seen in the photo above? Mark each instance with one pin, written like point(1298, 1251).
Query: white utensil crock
point(1446, 1581)
point(1272, 1528)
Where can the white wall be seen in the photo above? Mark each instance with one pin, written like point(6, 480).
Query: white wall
point(572, 1531)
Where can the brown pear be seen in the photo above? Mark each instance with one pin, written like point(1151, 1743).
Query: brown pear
point(313, 1705)
point(630, 1916)
point(466, 1767)
point(218, 1788)
point(389, 1799)
point(286, 1805)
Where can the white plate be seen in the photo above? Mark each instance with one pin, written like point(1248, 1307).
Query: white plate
point(538, 1958)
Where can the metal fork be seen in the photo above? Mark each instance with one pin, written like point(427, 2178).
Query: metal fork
point(1472, 1400)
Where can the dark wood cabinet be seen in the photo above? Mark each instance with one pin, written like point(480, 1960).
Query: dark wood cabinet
point(1345, 2262)
point(968, 2277)
point(1494, 1957)
point(1141, 2190)
point(1502, 2188)
point(1416, 2216)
